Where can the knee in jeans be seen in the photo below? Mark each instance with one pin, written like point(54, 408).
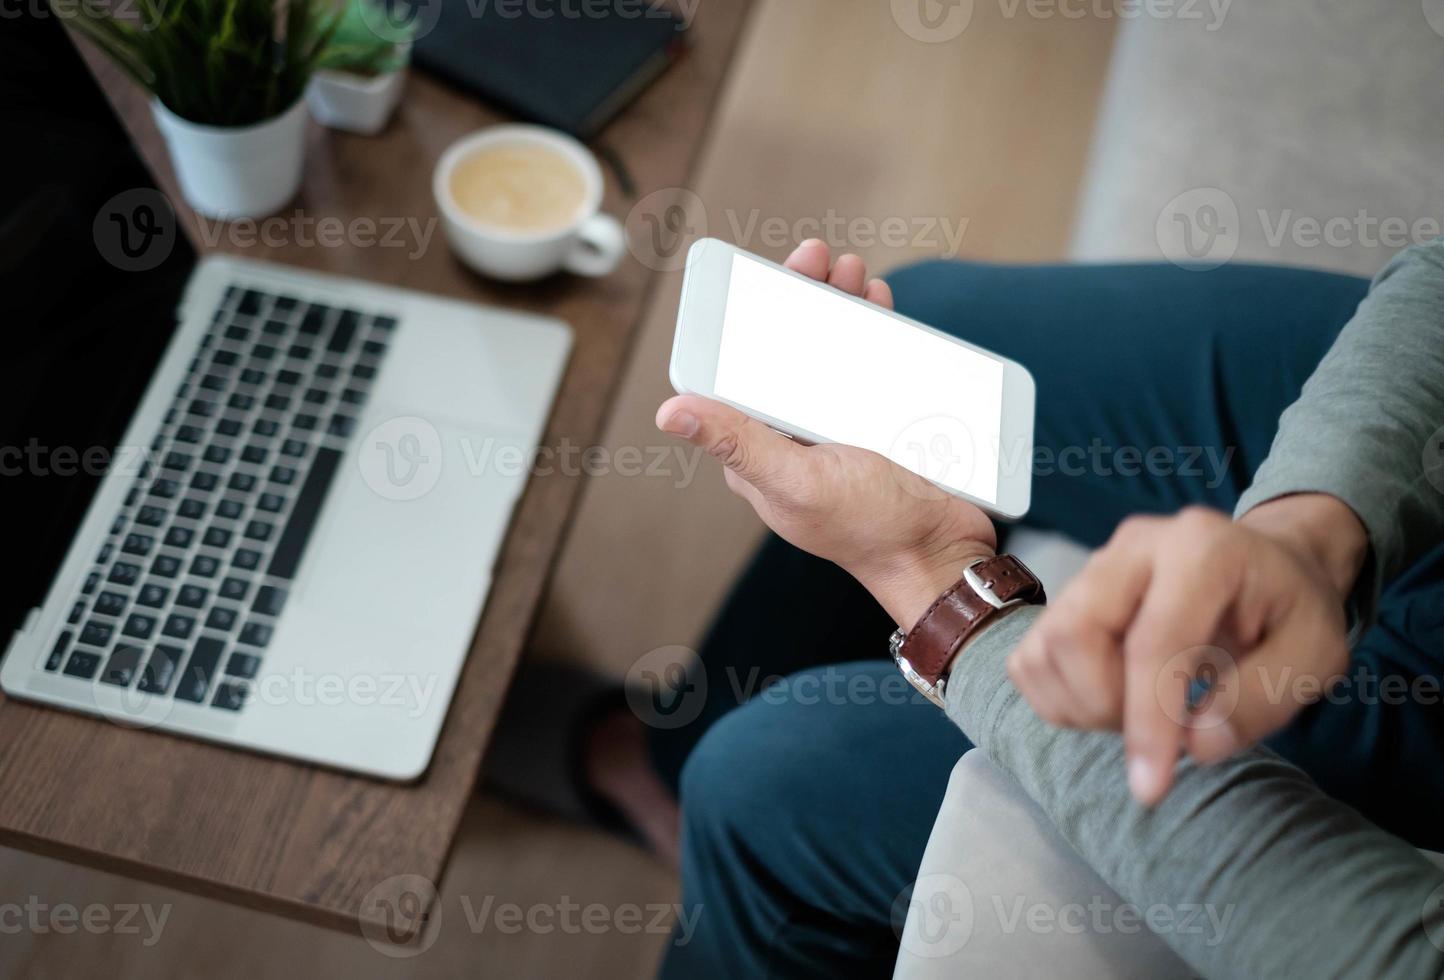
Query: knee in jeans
point(733, 776)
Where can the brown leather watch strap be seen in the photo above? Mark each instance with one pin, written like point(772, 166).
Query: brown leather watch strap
point(956, 614)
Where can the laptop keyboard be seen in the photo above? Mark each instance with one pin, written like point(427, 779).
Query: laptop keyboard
point(186, 590)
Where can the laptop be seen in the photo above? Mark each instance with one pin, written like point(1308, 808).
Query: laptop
point(261, 509)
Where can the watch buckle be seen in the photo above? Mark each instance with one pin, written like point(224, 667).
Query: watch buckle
point(984, 591)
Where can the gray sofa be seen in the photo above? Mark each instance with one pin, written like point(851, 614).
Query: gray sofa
point(1297, 132)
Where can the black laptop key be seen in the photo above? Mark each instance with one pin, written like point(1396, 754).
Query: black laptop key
point(305, 422)
point(179, 537)
point(137, 544)
point(243, 664)
point(293, 447)
point(229, 427)
point(195, 680)
point(188, 433)
point(341, 425)
point(254, 454)
point(278, 403)
point(177, 461)
point(159, 670)
point(213, 382)
point(234, 588)
point(229, 696)
point(246, 559)
point(178, 626)
point(229, 509)
point(292, 543)
point(316, 396)
point(259, 530)
point(91, 581)
point(95, 634)
point(288, 377)
point(204, 566)
point(274, 327)
point(124, 573)
point(204, 481)
point(202, 408)
point(150, 516)
point(250, 303)
point(269, 600)
point(104, 554)
point(117, 525)
point(241, 482)
point(327, 370)
point(166, 566)
point(314, 318)
point(300, 352)
point(121, 667)
point(353, 397)
point(139, 625)
point(82, 664)
point(284, 304)
point(217, 454)
point(164, 489)
point(152, 596)
point(271, 503)
point(255, 634)
point(221, 618)
point(266, 427)
point(284, 475)
point(76, 611)
point(237, 333)
point(224, 358)
point(192, 596)
point(363, 372)
point(110, 604)
point(253, 376)
point(345, 332)
point(384, 323)
point(216, 537)
point(374, 347)
point(57, 652)
point(240, 402)
point(192, 509)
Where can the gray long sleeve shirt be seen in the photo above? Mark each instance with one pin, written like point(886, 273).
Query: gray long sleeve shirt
point(1319, 891)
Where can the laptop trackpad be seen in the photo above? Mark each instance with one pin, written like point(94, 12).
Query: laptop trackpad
point(413, 524)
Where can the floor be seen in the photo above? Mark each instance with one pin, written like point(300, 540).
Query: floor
point(835, 120)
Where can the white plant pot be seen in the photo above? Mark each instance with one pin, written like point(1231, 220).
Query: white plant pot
point(356, 103)
point(232, 172)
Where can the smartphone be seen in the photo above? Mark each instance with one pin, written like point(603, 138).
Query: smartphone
point(820, 365)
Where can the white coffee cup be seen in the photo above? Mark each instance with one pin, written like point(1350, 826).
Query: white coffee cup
point(590, 245)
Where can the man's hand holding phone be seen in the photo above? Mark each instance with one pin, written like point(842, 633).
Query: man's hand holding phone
point(904, 539)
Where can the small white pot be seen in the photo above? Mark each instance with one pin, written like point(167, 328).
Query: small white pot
point(231, 172)
point(356, 103)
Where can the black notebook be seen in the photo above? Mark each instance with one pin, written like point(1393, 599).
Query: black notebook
point(571, 64)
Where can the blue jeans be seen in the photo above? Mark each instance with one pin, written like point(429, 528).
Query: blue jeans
point(806, 807)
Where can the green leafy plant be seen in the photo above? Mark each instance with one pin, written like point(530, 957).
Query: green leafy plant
point(215, 62)
point(367, 40)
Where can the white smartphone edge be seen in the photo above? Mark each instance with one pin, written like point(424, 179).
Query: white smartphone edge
point(696, 345)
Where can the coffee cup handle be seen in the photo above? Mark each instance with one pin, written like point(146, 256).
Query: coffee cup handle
point(600, 243)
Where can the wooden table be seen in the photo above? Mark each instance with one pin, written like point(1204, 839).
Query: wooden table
point(323, 846)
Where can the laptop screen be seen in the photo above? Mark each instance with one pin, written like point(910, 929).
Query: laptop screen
point(87, 311)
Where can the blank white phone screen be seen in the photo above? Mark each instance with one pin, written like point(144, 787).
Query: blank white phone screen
point(851, 374)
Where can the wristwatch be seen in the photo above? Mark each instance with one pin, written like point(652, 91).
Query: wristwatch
point(988, 586)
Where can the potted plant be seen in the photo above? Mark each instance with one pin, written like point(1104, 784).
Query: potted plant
point(226, 79)
point(363, 69)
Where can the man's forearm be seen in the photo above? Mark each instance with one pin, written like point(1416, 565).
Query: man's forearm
point(1316, 890)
